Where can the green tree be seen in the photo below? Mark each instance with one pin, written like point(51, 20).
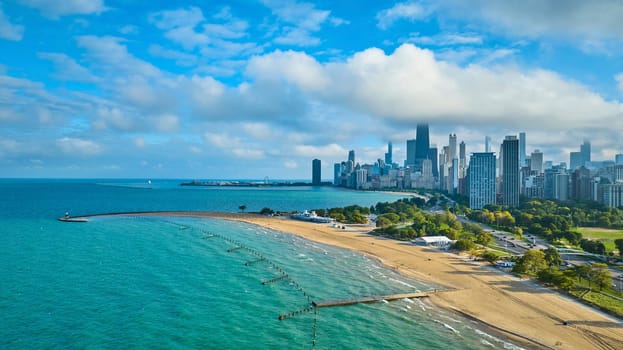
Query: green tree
point(600, 275)
point(583, 271)
point(267, 211)
point(489, 257)
point(552, 257)
point(463, 244)
point(485, 238)
point(242, 208)
point(619, 243)
point(531, 262)
point(383, 222)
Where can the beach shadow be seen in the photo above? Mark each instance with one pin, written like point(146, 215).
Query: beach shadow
point(595, 323)
point(482, 273)
point(520, 286)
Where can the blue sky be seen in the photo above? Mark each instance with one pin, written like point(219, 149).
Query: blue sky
point(248, 89)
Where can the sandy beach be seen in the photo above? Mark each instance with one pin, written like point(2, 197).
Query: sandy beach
point(521, 310)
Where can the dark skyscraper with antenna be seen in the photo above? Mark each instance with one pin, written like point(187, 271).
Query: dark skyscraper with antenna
point(422, 145)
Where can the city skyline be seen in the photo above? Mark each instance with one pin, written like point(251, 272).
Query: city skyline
point(107, 88)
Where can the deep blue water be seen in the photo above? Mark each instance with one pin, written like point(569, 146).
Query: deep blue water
point(168, 283)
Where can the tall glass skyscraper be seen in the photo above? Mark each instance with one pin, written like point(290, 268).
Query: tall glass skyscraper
point(422, 145)
point(481, 174)
point(316, 172)
point(510, 171)
point(585, 150)
point(388, 155)
point(522, 149)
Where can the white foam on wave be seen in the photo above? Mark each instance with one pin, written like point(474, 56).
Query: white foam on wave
point(450, 318)
point(421, 304)
point(447, 326)
point(404, 284)
point(505, 345)
point(484, 342)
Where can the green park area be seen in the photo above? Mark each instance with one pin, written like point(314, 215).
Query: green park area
point(605, 235)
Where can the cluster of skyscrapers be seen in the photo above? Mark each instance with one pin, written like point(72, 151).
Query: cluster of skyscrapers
point(487, 179)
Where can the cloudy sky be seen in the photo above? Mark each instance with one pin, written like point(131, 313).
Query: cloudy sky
point(248, 89)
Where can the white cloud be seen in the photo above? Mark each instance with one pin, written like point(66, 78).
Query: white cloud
point(187, 37)
point(231, 30)
point(295, 67)
point(179, 26)
point(67, 68)
point(167, 123)
point(112, 118)
point(114, 57)
point(170, 19)
point(139, 142)
point(259, 131)
point(303, 19)
point(128, 29)
point(302, 14)
point(411, 85)
point(297, 37)
point(290, 164)
point(8, 30)
point(78, 147)
point(233, 145)
point(247, 153)
point(325, 151)
point(445, 39)
point(569, 18)
point(401, 11)
point(55, 9)
point(9, 147)
point(180, 58)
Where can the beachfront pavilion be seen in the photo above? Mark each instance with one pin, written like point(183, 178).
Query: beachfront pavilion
point(433, 241)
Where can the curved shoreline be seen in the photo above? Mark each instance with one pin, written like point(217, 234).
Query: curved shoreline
point(509, 306)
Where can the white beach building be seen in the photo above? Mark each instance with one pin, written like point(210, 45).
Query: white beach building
point(434, 241)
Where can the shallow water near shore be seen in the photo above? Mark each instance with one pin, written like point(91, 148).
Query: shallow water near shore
point(119, 282)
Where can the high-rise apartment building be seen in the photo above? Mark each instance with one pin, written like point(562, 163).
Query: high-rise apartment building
point(451, 147)
point(410, 161)
point(510, 171)
point(536, 162)
point(351, 156)
point(487, 144)
point(316, 172)
point(585, 150)
point(522, 149)
point(481, 174)
point(575, 160)
point(432, 155)
point(462, 160)
point(337, 173)
point(581, 185)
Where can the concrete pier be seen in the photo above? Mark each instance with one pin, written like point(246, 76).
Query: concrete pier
point(370, 299)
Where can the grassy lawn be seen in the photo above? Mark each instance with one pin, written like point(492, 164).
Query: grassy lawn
point(605, 235)
point(613, 305)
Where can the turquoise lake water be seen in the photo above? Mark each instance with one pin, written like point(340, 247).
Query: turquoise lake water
point(170, 283)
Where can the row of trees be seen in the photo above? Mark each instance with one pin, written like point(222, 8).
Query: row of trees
point(552, 221)
point(545, 266)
